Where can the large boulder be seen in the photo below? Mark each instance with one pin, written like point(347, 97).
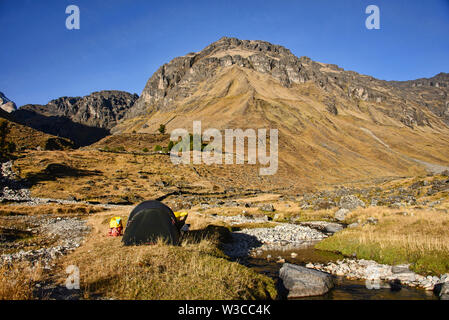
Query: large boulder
point(305, 282)
point(268, 207)
point(351, 202)
point(324, 226)
point(340, 215)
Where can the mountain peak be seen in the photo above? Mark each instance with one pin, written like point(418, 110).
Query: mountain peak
point(234, 46)
point(175, 83)
point(6, 104)
point(176, 77)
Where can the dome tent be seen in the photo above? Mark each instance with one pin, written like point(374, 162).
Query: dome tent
point(149, 221)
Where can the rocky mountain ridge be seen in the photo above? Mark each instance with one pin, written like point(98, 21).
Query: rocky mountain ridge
point(84, 120)
point(404, 100)
point(102, 109)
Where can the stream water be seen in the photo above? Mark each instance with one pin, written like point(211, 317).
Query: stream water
point(344, 289)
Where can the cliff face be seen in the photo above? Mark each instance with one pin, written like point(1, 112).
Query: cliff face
point(101, 109)
point(84, 120)
point(6, 104)
point(404, 101)
point(177, 79)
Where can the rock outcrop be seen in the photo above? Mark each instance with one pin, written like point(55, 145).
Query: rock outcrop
point(6, 104)
point(405, 99)
point(340, 214)
point(102, 109)
point(84, 120)
point(351, 202)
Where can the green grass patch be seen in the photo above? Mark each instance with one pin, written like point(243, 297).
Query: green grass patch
point(429, 263)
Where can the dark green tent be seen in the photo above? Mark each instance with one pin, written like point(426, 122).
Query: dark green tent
point(149, 221)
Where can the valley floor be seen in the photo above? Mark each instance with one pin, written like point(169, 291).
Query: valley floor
point(396, 221)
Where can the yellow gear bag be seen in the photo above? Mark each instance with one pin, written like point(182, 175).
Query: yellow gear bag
point(180, 214)
point(115, 222)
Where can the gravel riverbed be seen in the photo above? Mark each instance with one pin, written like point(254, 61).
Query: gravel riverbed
point(291, 235)
point(251, 242)
point(375, 273)
point(66, 234)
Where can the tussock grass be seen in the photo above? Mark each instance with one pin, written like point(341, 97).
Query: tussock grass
point(420, 238)
point(17, 281)
point(314, 215)
point(53, 209)
point(248, 225)
point(197, 269)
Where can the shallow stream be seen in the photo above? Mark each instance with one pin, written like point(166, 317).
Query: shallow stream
point(345, 289)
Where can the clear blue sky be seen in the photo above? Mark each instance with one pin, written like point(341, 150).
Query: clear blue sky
point(122, 42)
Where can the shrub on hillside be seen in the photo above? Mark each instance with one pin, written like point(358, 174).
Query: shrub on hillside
point(161, 128)
point(170, 145)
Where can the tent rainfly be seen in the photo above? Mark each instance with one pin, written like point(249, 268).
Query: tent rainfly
point(149, 221)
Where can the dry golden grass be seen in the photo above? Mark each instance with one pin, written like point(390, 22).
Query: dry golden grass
point(132, 142)
point(53, 209)
point(241, 226)
point(98, 176)
point(121, 178)
point(194, 270)
point(420, 230)
point(420, 238)
point(316, 147)
point(198, 222)
point(125, 178)
point(17, 282)
point(310, 215)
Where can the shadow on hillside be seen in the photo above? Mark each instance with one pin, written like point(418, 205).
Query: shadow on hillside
point(80, 134)
point(58, 170)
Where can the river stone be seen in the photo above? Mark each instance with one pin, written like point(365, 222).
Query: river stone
point(333, 227)
point(323, 226)
point(340, 215)
point(400, 268)
point(304, 282)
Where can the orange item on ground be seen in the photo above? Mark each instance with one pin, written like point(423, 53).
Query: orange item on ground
point(116, 232)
